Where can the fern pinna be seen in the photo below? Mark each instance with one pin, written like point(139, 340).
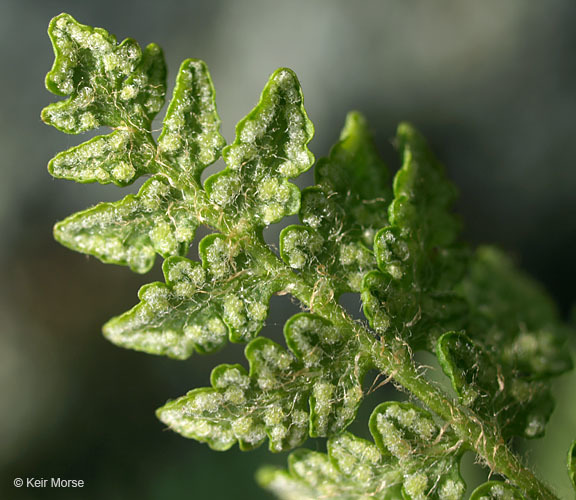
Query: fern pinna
point(496, 334)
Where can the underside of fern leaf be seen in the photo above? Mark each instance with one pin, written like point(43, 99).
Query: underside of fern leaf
point(497, 336)
point(411, 458)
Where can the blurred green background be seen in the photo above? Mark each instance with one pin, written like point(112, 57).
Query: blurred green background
point(492, 84)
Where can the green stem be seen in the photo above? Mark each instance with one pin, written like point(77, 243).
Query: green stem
point(483, 438)
point(394, 360)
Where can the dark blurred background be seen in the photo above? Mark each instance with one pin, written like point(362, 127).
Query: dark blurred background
point(492, 84)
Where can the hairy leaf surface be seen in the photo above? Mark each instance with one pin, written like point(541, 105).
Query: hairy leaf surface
point(341, 213)
point(420, 261)
point(314, 388)
point(497, 335)
point(118, 86)
point(108, 84)
point(131, 231)
point(269, 149)
point(520, 344)
point(190, 139)
point(519, 406)
point(200, 306)
point(496, 490)
point(119, 157)
point(412, 458)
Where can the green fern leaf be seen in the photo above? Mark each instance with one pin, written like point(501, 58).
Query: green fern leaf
point(412, 458)
point(314, 388)
point(506, 381)
point(108, 84)
point(341, 213)
point(418, 255)
point(123, 88)
point(270, 148)
point(512, 313)
point(200, 306)
point(119, 86)
point(519, 406)
point(496, 490)
point(190, 140)
point(120, 157)
point(131, 231)
point(498, 337)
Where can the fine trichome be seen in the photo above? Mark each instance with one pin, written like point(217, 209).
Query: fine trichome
point(497, 335)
